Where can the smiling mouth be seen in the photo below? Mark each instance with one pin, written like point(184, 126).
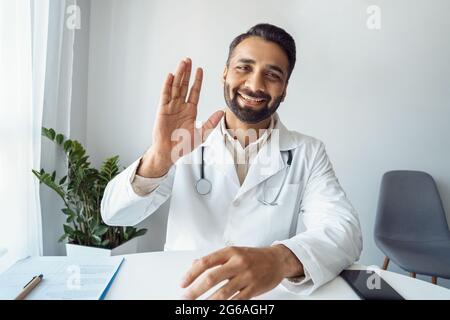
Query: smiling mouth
point(248, 100)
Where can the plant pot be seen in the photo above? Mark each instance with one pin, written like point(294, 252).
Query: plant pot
point(75, 250)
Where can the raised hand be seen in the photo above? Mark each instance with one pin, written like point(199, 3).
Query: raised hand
point(174, 133)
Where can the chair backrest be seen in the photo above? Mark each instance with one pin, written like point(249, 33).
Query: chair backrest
point(410, 208)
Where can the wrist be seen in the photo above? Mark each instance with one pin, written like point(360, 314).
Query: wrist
point(288, 261)
point(153, 164)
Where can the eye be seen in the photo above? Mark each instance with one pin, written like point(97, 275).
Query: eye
point(273, 76)
point(243, 68)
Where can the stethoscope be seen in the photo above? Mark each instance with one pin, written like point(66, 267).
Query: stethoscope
point(204, 186)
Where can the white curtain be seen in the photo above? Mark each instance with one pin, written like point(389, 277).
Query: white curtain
point(23, 43)
point(57, 114)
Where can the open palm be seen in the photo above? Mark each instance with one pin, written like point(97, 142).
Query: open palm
point(175, 133)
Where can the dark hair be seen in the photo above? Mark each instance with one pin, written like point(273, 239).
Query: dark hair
point(270, 33)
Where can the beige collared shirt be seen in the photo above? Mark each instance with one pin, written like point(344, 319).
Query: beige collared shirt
point(243, 156)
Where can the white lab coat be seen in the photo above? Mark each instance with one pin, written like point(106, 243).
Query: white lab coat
point(313, 218)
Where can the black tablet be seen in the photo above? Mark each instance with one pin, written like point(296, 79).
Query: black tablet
point(368, 285)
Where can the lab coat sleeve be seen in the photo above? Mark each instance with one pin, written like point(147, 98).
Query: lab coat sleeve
point(332, 238)
point(123, 206)
point(143, 186)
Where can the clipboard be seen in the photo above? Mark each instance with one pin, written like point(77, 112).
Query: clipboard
point(65, 278)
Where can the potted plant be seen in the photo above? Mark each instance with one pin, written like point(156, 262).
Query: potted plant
point(81, 190)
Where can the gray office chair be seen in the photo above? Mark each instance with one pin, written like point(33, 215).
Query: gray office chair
point(411, 228)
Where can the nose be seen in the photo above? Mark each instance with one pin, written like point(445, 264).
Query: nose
point(255, 82)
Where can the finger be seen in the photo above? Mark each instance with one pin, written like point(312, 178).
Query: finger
point(244, 294)
point(201, 265)
point(166, 90)
point(186, 79)
point(212, 122)
point(176, 84)
point(228, 290)
point(211, 279)
point(194, 94)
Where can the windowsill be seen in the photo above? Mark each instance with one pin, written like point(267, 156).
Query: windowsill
point(5, 260)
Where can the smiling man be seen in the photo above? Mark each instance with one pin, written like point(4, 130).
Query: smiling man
point(264, 200)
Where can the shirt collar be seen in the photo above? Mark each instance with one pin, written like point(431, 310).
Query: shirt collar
point(230, 139)
point(288, 140)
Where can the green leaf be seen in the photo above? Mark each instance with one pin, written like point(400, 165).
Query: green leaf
point(67, 145)
point(79, 235)
point(59, 138)
point(63, 237)
point(68, 212)
point(129, 230)
point(51, 134)
point(101, 230)
point(68, 229)
point(109, 168)
point(139, 233)
point(38, 174)
point(48, 133)
point(92, 225)
point(97, 239)
point(62, 180)
point(105, 243)
point(49, 181)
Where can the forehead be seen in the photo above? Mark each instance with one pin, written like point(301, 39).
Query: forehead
point(261, 51)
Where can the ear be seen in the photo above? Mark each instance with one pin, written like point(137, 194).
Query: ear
point(284, 94)
point(224, 75)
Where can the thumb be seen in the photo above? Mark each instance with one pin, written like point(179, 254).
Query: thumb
point(212, 122)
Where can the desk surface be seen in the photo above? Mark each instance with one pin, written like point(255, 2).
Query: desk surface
point(156, 275)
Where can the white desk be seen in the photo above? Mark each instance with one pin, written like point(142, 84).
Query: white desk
point(156, 275)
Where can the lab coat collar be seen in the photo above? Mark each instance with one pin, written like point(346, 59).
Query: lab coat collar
point(267, 162)
point(286, 138)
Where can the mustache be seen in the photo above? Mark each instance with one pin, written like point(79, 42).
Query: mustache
point(255, 95)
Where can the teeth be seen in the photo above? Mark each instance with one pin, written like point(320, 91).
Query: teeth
point(246, 97)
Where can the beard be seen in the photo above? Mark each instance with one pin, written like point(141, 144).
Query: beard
point(247, 114)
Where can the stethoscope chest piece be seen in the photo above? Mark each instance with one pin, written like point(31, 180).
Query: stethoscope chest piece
point(203, 186)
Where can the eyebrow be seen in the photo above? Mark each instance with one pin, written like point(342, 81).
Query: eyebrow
point(270, 66)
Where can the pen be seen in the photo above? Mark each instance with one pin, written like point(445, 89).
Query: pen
point(29, 286)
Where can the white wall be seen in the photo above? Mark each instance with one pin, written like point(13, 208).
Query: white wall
point(378, 99)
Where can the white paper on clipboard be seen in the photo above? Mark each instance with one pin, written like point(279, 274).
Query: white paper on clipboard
point(65, 278)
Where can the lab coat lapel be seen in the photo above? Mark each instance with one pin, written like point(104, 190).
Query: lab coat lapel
point(266, 163)
point(217, 155)
point(269, 160)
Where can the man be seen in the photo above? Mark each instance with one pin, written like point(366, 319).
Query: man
point(263, 199)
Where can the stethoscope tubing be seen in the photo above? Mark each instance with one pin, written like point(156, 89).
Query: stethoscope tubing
point(204, 186)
